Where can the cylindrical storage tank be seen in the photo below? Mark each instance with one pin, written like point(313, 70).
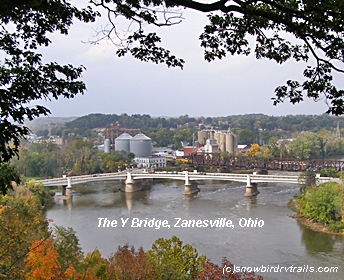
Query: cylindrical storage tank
point(230, 143)
point(202, 137)
point(217, 138)
point(222, 145)
point(122, 142)
point(235, 143)
point(141, 145)
point(107, 146)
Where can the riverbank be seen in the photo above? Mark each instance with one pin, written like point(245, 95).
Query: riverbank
point(315, 226)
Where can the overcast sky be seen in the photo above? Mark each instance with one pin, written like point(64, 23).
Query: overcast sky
point(234, 85)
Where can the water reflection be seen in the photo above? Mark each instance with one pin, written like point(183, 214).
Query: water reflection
point(282, 240)
point(135, 200)
point(316, 242)
point(250, 201)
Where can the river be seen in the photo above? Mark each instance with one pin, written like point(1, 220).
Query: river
point(281, 242)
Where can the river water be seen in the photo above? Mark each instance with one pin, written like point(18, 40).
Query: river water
point(282, 243)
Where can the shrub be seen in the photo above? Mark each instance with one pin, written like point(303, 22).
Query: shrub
point(322, 204)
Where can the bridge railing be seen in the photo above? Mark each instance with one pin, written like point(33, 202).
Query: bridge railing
point(63, 180)
point(255, 178)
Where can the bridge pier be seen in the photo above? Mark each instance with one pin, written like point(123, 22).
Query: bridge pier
point(251, 188)
point(68, 190)
point(131, 185)
point(190, 187)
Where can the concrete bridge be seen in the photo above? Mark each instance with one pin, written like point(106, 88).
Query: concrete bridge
point(132, 180)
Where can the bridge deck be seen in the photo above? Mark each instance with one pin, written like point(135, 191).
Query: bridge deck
point(253, 178)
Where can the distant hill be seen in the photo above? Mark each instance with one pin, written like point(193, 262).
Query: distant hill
point(44, 122)
point(292, 123)
point(267, 126)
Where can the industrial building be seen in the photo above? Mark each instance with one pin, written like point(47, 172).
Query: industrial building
point(211, 146)
point(140, 145)
point(214, 141)
point(122, 142)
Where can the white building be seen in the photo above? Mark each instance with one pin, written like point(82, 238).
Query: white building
point(211, 146)
point(150, 162)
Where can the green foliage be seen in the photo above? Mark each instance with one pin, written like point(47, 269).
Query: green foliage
point(21, 222)
point(274, 150)
point(95, 265)
point(329, 173)
point(173, 260)
point(44, 159)
point(336, 226)
point(277, 126)
point(307, 179)
point(24, 77)
point(40, 192)
point(67, 246)
point(180, 135)
point(8, 175)
point(81, 157)
point(247, 136)
point(117, 160)
point(323, 204)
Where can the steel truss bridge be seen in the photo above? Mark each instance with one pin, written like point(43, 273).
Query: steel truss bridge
point(247, 162)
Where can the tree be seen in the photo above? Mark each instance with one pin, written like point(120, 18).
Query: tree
point(42, 261)
point(67, 245)
point(307, 179)
point(24, 77)
point(82, 157)
point(22, 221)
point(40, 192)
point(254, 150)
point(127, 263)
point(323, 204)
point(8, 174)
point(315, 27)
point(273, 147)
point(246, 136)
point(94, 266)
point(173, 260)
point(307, 145)
point(162, 137)
point(182, 135)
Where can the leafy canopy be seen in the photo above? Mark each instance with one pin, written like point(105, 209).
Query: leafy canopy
point(24, 77)
point(315, 26)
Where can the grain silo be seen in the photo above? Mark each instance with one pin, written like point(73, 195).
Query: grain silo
point(222, 143)
point(107, 146)
point(230, 143)
point(202, 137)
point(122, 143)
point(235, 143)
point(141, 145)
point(217, 138)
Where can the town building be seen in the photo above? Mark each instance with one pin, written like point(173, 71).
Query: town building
point(150, 162)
